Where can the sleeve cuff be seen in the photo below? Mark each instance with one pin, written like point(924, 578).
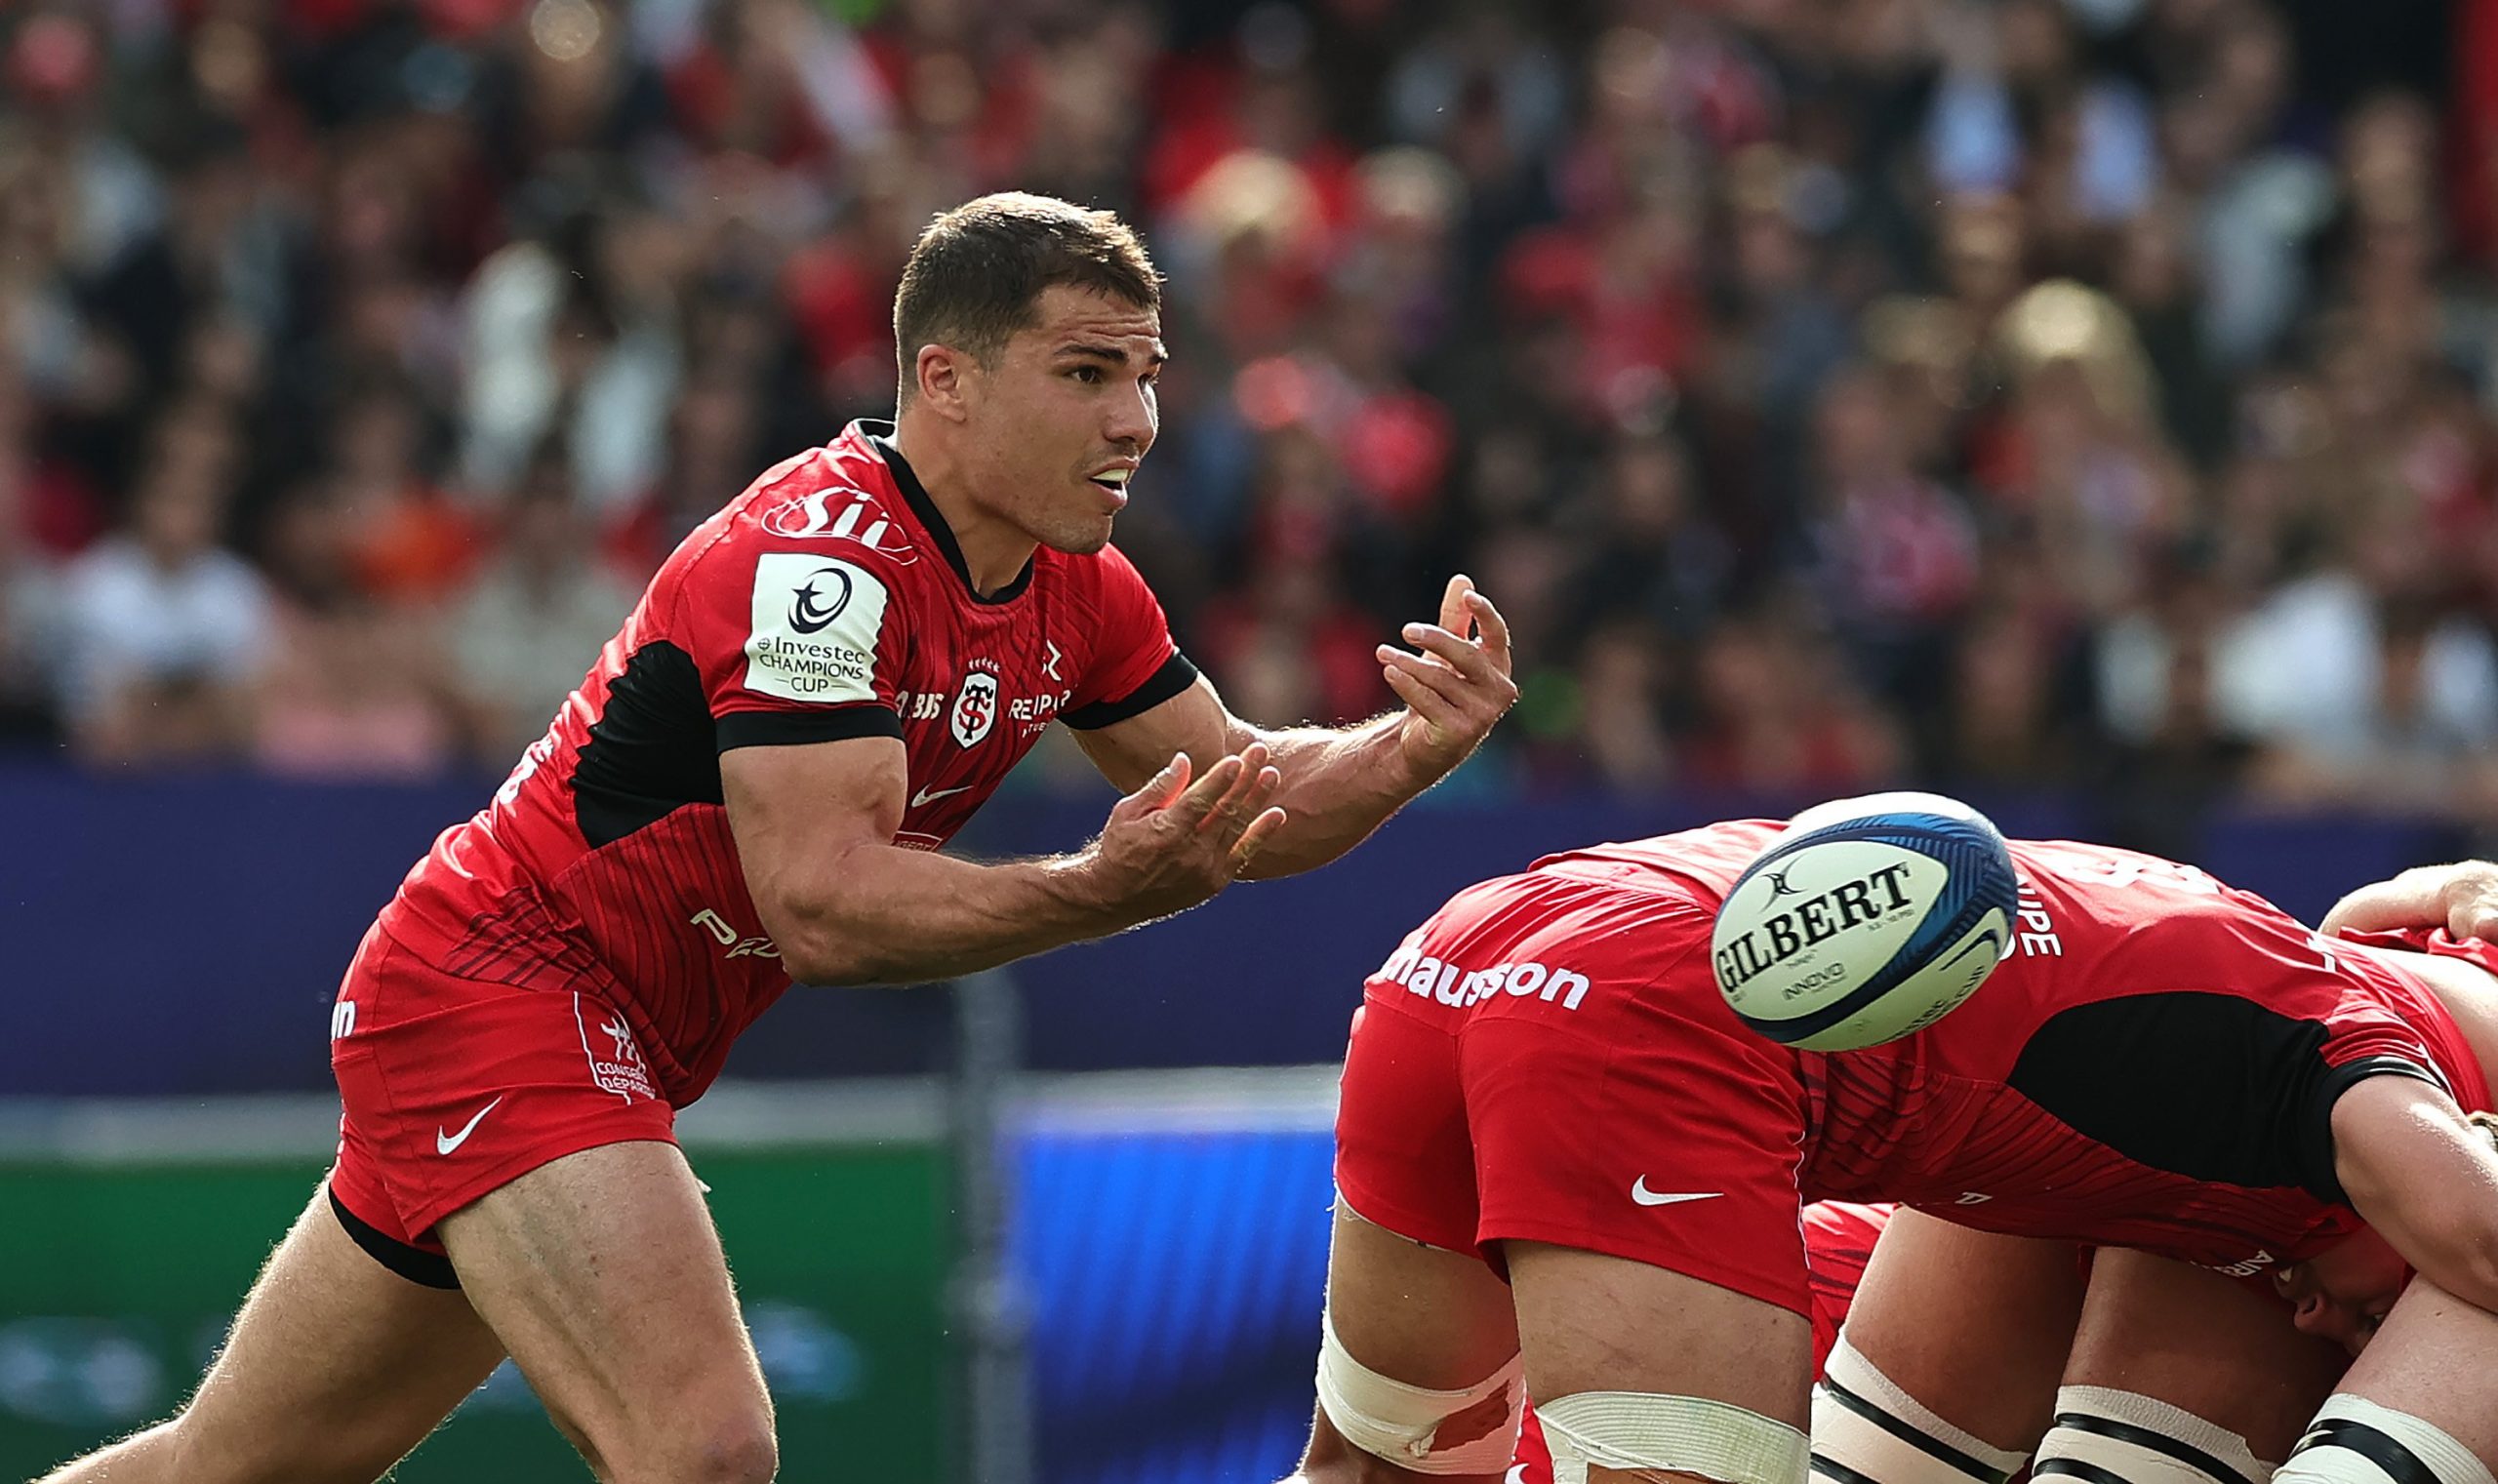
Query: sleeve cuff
point(790, 728)
point(1177, 674)
point(2316, 1149)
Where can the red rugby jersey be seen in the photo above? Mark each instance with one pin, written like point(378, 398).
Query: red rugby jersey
point(2153, 1065)
point(827, 601)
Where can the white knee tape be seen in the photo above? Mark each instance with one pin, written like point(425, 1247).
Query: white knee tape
point(1389, 1419)
point(1681, 1434)
point(1865, 1427)
point(2354, 1441)
point(2101, 1433)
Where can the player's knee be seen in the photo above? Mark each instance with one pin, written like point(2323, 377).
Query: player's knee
point(2100, 1431)
point(1467, 1431)
point(728, 1443)
point(2355, 1441)
point(1865, 1426)
point(745, 1455)
point(1638, 1431)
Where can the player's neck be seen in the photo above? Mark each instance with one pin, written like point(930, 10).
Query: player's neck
point(994, 551)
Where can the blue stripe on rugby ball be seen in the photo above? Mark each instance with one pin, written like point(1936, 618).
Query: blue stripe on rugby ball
point(1981, 880)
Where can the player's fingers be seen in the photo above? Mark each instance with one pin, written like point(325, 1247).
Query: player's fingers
point(1464, 655)
point(1494, 630)
point(1235, 805)
point(2476, 918)
point(1421, 698)
point(1158, 791)
point(1254, 840)
point(1191, 807)
point(1425, 670)
point(1453, 610)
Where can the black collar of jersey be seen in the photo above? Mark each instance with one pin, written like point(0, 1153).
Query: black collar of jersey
point(881, 436)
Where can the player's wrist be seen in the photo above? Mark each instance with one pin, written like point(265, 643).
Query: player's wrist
point(1087, 886)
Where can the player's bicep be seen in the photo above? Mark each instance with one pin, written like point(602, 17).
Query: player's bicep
point(797, 811)
point(1134, 749)
point(2416, 1168)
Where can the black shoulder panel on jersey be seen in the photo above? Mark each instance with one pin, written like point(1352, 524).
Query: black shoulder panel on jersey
point(1177, 674)
point(651, 751)
point(2213, 1087)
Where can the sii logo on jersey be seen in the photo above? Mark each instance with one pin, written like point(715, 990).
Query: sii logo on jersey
point(840, 514)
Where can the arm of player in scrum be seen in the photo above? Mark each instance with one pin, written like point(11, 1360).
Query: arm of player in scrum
point(1340, 783)
point(2462, 898)
point(2426, 1177)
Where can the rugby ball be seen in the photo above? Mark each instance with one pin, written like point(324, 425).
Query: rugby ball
point(1867, 921)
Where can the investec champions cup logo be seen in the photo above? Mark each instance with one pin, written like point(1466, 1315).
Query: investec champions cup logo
point(815, 621)
point(811, 610)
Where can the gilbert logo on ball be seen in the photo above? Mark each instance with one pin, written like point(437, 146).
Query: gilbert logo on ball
point(1866, 922)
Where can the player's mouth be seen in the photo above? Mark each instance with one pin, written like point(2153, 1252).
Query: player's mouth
point(1114, 481)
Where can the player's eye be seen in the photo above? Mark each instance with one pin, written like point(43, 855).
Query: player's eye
point(1090, 376)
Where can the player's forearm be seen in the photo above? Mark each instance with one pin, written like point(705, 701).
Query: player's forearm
point(1339, 785)
point(904, 916)
point(2462, 898)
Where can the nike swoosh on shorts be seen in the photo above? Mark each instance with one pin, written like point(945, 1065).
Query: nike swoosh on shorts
point(444, 1143)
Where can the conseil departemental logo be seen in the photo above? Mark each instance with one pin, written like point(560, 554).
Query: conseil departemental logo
point(819, 600)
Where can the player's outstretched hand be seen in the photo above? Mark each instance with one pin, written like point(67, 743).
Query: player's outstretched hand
point(1175, 843)
point(2461, 899)
point(1454, 682)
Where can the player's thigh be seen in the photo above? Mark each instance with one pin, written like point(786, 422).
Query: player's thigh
point(2430, 1364)
point(1973, 1325)
point(2217, 1347)
point(603, 1275)
point(1418, 1317)
point(335, 1368)
point(1590, 1322)
point(1692, 1357)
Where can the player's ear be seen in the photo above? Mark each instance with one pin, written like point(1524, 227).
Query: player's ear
point(943, 375)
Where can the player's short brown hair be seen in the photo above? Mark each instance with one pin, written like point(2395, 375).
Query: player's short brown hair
point(977, 274)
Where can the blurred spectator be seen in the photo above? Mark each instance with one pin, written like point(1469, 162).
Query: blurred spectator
point(408, 540)
point(357, 686)
point(573, 338)
point(1624, 703)
point(1894, 553)
point(1777, 714)
point(164, 631)
point(525, 633)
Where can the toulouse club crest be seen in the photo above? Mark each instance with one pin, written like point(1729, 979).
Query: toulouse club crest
point(975, 709)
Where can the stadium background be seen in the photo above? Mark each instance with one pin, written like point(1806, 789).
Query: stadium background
point(2083, 405)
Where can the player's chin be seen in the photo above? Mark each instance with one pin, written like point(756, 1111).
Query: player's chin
point(1079, 537)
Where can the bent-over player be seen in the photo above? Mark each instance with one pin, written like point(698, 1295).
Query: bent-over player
point(819, 688)
point(1546, 1087)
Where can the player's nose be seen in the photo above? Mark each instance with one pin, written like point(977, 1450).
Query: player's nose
point(2326, 1320)
point(1130, 422)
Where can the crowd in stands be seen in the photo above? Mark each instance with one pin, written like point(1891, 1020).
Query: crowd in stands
point(1833, 392)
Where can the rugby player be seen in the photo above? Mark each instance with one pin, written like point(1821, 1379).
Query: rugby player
point(819, 688)
point(2183, 1374)
point(1556, 1145)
